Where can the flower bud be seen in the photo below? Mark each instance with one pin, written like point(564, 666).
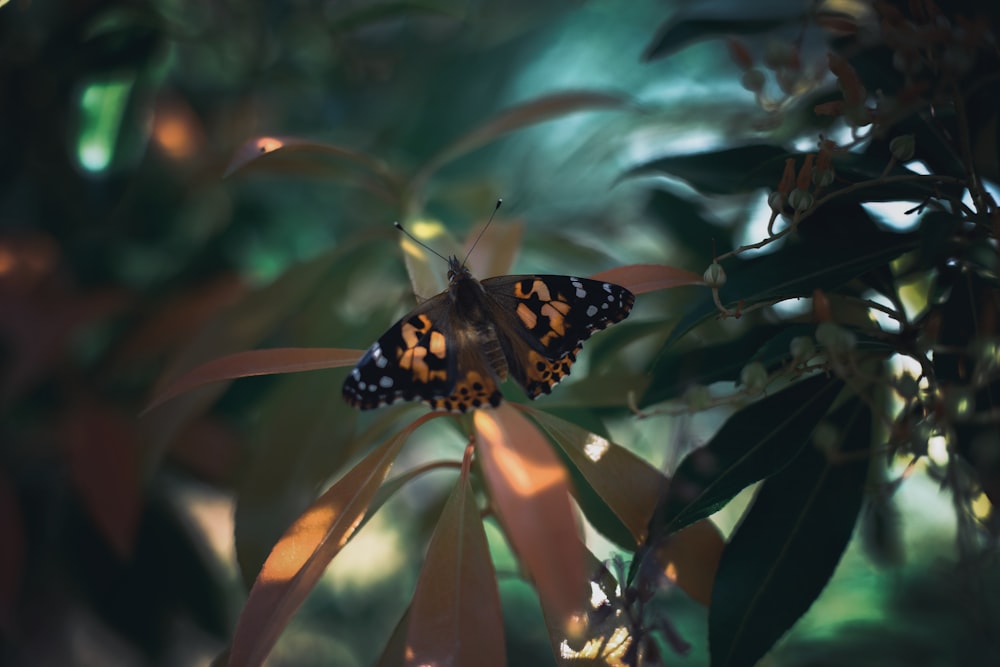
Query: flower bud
point(802, 349)
point(697, 398)
point(715, 275)
point(903, 147)
point(800, 200)
point(753, 377)
point(835, 338)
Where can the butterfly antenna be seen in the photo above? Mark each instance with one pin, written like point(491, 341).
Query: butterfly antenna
point(483, 230)
point(418, 241)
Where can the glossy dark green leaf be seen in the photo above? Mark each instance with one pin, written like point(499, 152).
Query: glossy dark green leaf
point(752, 445)
point(796, 270)
point(677, 33)
point(789, 543)
point(723, 172)
point(684, 366)
point(937, 230)
point(690, 225)
point(855, 169)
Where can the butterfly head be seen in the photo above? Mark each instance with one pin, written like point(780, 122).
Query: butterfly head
point(457, 270)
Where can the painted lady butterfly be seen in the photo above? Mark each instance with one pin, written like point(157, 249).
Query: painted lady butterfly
point(453, 350)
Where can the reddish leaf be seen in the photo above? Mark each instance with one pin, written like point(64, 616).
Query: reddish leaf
point(529, 490)
point(641, 278)
point(255, 148)
point(301, 555)
point(257, 362)
point(174, 321)
point(519, 116)
point(630, 486)
point(103, 451)
point(455, 617)
point(690, 558)
point(12, 554)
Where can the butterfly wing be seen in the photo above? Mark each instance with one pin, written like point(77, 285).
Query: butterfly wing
point(430, 355)
point(542, 321)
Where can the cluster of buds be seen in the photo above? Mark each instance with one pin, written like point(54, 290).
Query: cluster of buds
point(798, 188)
point(781, 62)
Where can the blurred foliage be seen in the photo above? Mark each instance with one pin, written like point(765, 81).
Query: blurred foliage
point(182, 181)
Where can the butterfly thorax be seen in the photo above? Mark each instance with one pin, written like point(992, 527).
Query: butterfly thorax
point(473, 318)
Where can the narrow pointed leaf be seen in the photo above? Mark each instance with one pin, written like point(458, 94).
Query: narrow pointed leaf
point(789, 543)
point(522, 115)
point(753, 444)
point(529, 490)
point(258, 147)
point(628, 485)
point(257, 362)
point(642, 278)
point(690, 559)
point(455, 617)
point(103, 454)
point(301, 555)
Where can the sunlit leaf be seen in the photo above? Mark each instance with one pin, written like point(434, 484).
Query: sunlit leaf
point(641, 278)
point(690, 558)
point(299, 558)
point(789, 543)
point(529, 490)
point(102, 448)
point(455, 616)
point(519, 116)
point(257, 362)
point(12, 555)
point(627, 484)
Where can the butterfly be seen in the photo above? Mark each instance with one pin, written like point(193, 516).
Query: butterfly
point(453, 350)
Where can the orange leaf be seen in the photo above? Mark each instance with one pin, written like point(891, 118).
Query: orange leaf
point(102, 448)
point(690, 559)
point(627, 484)
point(455, 617)
point(12, 555)
point(257, 362)
point(529, 490)
point(641, 278)
point(299, 558)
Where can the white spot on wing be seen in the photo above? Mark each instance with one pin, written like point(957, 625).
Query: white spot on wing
point(385, 381)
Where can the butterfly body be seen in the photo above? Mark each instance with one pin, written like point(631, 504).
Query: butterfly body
point(453, 351)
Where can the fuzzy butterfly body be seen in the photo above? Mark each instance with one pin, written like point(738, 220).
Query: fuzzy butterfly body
point(454, 349)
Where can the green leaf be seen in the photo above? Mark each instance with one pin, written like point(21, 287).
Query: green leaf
point(672, 373)
point(607, 477)
point(796, 270)
point(677, 33)
point(789, 543)
point(724, 172)
point(753, 444)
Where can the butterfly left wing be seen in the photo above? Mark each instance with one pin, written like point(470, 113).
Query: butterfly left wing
point(428, 355)
point(542, 321)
